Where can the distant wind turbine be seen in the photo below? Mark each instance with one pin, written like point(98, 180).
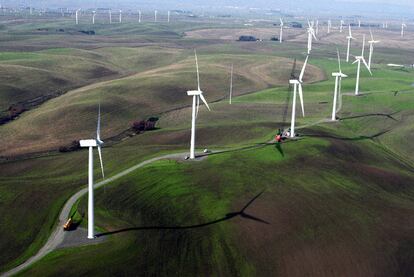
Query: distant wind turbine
point(329, 26)
point(358, 60)
point(91, 143)
point(297, 85)
point(120, 16)
point(338, 83)
point(231, 84)
point(197, 95)
point(311, 35)
point(77, 16)
point(139, 16)
point(349, 38)
point(93, 17)
point(281, 30)
point(371, 48)
point(403, 26)
point(155, 15)
point(341, 26)
point(317, 27)
point(110, 16)
point(359, 23)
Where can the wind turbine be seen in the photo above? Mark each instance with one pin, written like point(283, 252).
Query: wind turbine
point(77, 16)
point(110, 16)
point(341, 26)
point(155, 15)
point(231, 84)
point(349, 38)
point(311, 35)
point(169, 15)
point(297, 85)
point(359, 23)
point(91, 143)
point(371, 48)
point(317, 27)
point(120, 16)
point(358, 60)
point(338, 83)
point(93, 17)
point(139, 16)
point(197, 95)
point(281, 30)
point(403, 25)
point(329, 26)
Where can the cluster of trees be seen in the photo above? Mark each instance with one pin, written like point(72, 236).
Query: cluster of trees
point(91, 32)
point(144, 125)
point(247, 38)
point(73, 146)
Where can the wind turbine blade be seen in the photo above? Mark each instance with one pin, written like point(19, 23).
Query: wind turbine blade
point(355, 62)
point(98, 127)
point(302, 73)
point(198, 72)
point(339, 60)
point(301, 99)
point(100, 159)
point(366, 65)
point(198, 105)
point(370, 31)
point(350, 31)
point(205, 102)
point(313, 34)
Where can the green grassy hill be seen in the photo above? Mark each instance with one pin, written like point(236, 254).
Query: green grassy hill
point(338, 201)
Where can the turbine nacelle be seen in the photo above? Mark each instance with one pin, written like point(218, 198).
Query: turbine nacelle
point(339, 74)
point(194, 92)
point(89, 143)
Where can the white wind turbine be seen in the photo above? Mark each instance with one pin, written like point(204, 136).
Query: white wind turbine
point(311, 35)
point(91, 143)
point(120, 16)
point(349, 38)
point(231, 84)
point(341, 26)
point(93, 17)
point(297, 85)
point(358, 60)
point(139, 16)
point(155, 15)
point(281, 30)
point(403, 26)
point(329, 26)
point(317, 27)
point(359, 23)
point(110, 16)
point(371, 48)
point(77, 16)
point(197, 95)
point(338, 83)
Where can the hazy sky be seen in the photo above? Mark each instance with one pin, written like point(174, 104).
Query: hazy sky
point(356, 7)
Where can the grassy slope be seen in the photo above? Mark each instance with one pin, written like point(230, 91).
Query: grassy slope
point(329, 213)
point(149, 144)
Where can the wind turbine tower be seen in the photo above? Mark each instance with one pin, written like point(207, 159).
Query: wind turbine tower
point(197, 95)
point(358, 61)
point(349, 38)
point(371, 48)
point(155, 15)
point(93, 143)
point(297, 86)
point(231, 85)
point(281, 31)
point(338, 83)
point(139, 16)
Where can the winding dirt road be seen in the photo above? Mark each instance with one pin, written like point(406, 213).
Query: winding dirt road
point(56, 238)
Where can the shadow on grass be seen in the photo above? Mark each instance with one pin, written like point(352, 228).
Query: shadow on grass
point(390, 116)
point(242, 213)
point(279, 148)
point(349, 139)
